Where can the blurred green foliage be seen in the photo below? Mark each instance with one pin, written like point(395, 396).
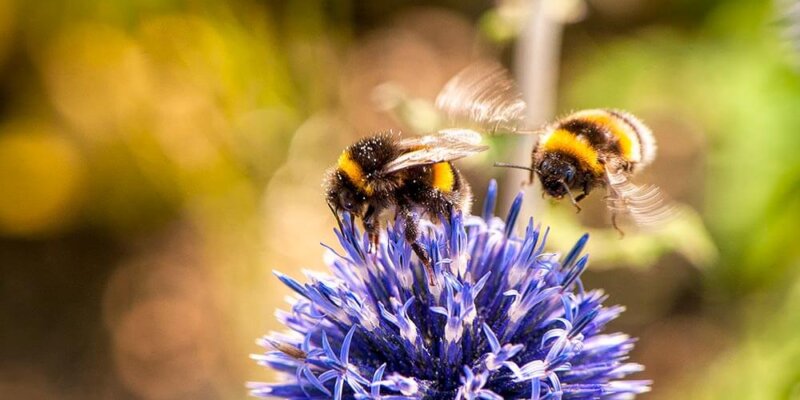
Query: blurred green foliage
point(763, 363)
point(732, 79)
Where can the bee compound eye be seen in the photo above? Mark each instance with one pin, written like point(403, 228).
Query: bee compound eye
point(569, 174)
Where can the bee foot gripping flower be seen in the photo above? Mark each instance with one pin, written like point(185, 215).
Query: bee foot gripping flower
point(505, 321)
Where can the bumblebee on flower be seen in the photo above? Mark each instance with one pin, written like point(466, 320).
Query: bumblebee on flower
point(510, 321)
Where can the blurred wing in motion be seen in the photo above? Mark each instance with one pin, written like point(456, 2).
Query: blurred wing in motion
point(446, 145)
point(644, 204)
point(483, 94)
point(443, 137)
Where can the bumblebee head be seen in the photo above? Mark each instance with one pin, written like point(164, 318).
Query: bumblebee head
point(557, 174)
point(342, 195)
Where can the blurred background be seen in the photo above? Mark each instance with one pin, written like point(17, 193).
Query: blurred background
point(158, 158)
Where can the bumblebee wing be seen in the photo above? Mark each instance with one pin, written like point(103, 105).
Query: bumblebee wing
point(484, 94)
point(644, 204)
point(446, 145)
point(444, 137)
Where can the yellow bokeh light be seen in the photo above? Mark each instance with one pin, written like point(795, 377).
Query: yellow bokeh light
point(40, 177)
point(97, 78)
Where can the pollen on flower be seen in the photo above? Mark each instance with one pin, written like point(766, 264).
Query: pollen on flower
point(505, 320)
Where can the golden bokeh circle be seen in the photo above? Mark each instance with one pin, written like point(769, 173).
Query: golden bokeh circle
point(41, 173)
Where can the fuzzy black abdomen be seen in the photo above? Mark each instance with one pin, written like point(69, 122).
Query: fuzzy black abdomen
point(434, 189)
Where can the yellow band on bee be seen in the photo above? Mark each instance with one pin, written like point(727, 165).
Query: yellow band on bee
point(619, 129)
point(353, 171)
point(443, 177)
point(564, 141)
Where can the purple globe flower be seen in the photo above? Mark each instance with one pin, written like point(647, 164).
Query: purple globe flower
point(505, 321)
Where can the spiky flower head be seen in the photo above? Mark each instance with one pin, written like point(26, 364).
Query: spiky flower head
point(504, 321)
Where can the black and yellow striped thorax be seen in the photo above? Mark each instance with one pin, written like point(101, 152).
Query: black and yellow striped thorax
point(590, 136)
point(362, 162)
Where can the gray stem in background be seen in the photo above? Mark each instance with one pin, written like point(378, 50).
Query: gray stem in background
point(537, 63)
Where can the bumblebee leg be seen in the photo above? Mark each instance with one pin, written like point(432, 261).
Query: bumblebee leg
point(614, 224)
point(412, 237)
point(586, 190)
point(496, 127)
point(372, 226)
point(573, 199)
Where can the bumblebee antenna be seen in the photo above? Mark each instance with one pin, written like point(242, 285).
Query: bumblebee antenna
point(515, 166)
point(336, 217)
point(355, 239)
point(569, 193)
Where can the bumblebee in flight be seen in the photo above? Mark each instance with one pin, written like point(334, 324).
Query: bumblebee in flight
point(408, 175)
point(584, 150)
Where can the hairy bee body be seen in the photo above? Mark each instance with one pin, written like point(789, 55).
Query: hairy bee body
point(412, 176)
point(584, 150)
point(431, 188)
point(576, 151)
